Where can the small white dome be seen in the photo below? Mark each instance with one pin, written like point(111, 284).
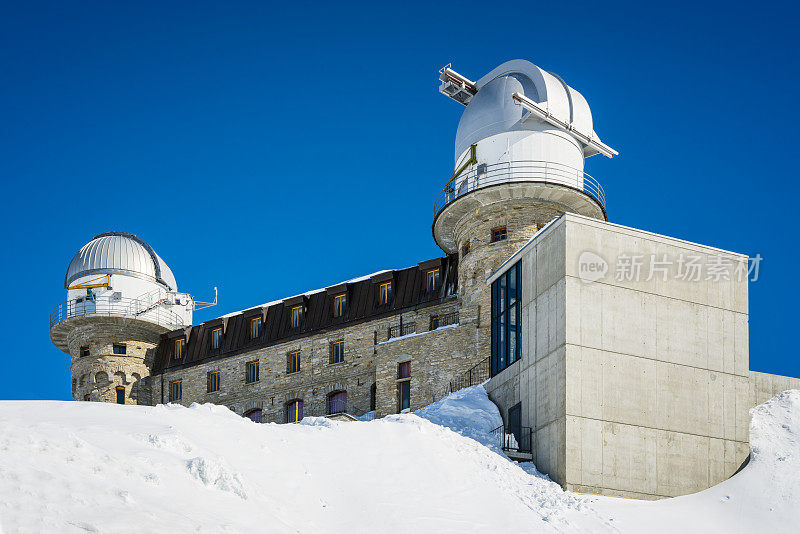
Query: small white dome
point(120, 253)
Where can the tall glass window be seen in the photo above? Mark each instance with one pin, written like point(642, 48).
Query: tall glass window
point(507, 318)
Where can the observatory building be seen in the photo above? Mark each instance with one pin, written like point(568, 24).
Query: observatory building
point(618, 358)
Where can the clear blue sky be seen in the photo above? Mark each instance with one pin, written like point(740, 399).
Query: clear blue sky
point(270, 150)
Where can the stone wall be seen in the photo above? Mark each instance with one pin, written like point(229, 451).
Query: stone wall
point(102, 372)
point(436, 357)
point(317, 378)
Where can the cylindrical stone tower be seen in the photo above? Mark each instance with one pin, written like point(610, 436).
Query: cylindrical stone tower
point(121, 297)
point(519, 157)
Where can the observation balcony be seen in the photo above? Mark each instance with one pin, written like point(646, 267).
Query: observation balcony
point(149, 308)
point(484, 184)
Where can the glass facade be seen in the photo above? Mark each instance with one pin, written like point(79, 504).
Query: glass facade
point(506, 318)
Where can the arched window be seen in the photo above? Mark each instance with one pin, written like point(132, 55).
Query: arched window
point(254, 415)
point(337, 402)
point(294, 411)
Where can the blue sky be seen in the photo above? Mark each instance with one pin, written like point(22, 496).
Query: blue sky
point(270, 150)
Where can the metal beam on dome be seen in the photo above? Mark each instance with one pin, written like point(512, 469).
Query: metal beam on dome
point(541, 113)
point(94, 283)
point(454, 85)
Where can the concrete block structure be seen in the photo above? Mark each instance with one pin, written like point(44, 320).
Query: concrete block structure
point(618, 358)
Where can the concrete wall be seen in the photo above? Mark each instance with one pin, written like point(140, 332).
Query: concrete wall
point(647, 378)
point(764, 386)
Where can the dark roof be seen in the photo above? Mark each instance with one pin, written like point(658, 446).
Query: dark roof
point(409, 291)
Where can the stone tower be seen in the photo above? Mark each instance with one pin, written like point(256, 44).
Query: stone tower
point(121, 297)
point(519, 158)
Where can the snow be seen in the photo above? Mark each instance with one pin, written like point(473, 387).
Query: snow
point(306, 294)
point(78, 467)
point(416, 334)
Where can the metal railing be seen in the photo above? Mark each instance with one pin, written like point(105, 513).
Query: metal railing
point(148, 309)
point(548, 172)
point(445, 319)
point(514, 439)
point(477, 374)
point(402, 329)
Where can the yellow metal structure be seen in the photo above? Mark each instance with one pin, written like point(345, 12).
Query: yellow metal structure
point(94, 282)
point(473, 159)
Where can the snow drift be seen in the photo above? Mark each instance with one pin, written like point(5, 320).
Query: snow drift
point(78, 467)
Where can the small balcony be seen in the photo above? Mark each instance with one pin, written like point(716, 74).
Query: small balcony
point(484, 175)
point(516, 441)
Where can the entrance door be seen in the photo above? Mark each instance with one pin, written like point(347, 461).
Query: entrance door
point(514, 426)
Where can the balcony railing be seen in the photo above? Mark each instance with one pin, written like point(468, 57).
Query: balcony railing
point(477, 374)
point(144, 309)
point(402, 329)
point(514, 439)
point(547, 172)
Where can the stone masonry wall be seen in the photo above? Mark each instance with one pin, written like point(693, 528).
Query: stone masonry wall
point(522, 219)
point(316, 379)
point(99, 374)
point(436, 356)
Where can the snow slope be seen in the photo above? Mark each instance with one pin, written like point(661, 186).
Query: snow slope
point(78, 467)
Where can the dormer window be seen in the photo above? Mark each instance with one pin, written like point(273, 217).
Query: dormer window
point(120, 349)
point(178, 347)
point(297, 316)
point(432, 280)
point(465, 249)
point(255, 327)
point(216, 338)
point(84, 351)
point(384, 293)
point(339, 305)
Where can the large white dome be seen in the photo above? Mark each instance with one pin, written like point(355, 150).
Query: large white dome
point(492, 110)
point(120, 253)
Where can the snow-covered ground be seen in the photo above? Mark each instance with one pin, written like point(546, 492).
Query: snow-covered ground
point(78, 467)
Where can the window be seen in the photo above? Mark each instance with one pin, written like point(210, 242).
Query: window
point(405, 395)
point(212, 381)
point(499, 233)
point(297, 316)
point(175, 390)
point(120, 395)
point(339, 305)
point(506, 319)
point(434, 322)
point(432, 280)
point(465, 249)
point(404, 370)
point(294, 411)
point(385, 293)
point(255, 416)
point(120, 349)
point(404, 386)
point(216, 338)
point(337, 352)
point(178, 348)
point(337, 402)
point(293, 362)
point(84, 351)
point(255, 327)
point(251, 372)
